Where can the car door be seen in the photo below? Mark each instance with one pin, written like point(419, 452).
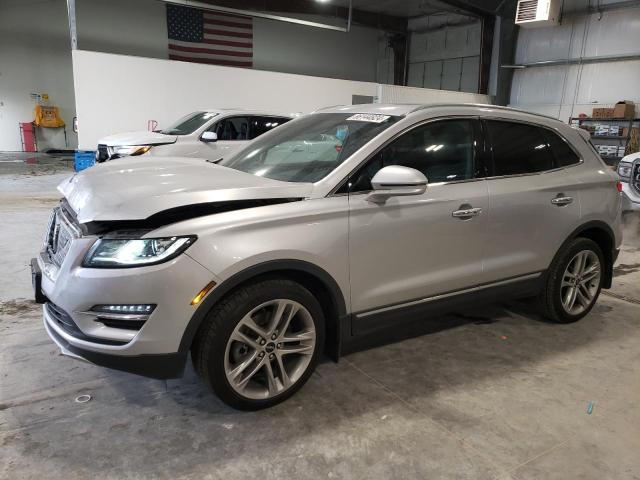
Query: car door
point(534, 200)
point(415, 247)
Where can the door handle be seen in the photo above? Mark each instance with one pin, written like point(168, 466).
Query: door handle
point(561, 200)
point(466, 213)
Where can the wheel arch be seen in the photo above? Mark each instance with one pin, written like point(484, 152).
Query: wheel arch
point(315, 279)
point(603, 235)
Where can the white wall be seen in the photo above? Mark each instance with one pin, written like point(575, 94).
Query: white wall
point(35, 57)
point(115, 93)
point(442, 56)
point(565, 91)
point(396, 94)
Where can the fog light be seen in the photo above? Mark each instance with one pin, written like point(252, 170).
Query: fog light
point(143, 309)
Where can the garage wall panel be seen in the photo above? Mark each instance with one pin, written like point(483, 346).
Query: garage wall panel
point(568, 90)
point(432, 74)
point(446, 48)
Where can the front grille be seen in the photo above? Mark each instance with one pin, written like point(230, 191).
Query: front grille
point(60, 234)
point(64, 321)
point(102, 154)
point(635, 177)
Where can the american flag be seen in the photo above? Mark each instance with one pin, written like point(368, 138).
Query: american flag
point(209, 37)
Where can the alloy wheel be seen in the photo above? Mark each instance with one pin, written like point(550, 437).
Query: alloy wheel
point(580, 282)
point(270, 349)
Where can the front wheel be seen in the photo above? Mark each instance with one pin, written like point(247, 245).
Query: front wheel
point(261, 343)
point(573, 282)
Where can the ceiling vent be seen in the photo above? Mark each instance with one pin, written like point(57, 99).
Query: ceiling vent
point(538, 13)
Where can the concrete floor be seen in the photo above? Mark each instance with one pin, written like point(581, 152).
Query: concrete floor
point(493, 393)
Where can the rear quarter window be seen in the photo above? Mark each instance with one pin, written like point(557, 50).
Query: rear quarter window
point(518, 148)
point(562, 152)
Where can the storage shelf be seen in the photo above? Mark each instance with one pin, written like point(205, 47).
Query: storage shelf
point(591, 119)
point(609, 137)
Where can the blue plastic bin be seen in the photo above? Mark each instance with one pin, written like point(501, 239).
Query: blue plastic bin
point(84, 160)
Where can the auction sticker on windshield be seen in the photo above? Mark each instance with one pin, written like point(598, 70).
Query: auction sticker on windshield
point(369, 117)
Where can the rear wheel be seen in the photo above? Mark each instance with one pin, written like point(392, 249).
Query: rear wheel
point(261, 343)
point(573, 282)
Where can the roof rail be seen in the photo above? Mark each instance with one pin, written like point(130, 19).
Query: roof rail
point(486, 105)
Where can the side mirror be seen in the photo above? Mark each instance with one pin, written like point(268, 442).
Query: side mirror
point(396, 181)
point(209, 137)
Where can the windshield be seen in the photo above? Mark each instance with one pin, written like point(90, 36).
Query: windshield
point(309, 148)
point(189, 123)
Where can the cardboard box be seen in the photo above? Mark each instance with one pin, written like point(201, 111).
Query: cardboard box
point(624, 109)
point(602, 112)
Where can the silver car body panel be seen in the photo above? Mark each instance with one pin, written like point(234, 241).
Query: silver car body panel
point(405, 250)
point(140, 187)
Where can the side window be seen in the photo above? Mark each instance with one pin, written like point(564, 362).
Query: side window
point(562, 152)
point(232, 128)
point(518, 148)
point(260, 125)
point(443, 151)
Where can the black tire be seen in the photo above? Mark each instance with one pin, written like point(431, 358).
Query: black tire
point(208, 350)
point(549, 300)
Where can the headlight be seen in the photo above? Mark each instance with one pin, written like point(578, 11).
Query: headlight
point(123, 253)
point(624, 170)
point(131, 150)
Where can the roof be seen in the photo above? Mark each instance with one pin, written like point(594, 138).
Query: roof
point(380, 108)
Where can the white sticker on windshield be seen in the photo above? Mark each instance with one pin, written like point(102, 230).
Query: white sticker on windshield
point(369, 117)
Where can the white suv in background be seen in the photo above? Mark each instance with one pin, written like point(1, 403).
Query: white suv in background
point(629, 171)
point(209, 134)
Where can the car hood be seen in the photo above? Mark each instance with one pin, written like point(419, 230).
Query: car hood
point(136, 189)
point(137, 138)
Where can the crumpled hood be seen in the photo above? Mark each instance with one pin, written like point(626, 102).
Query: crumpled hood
point(137, 188)
point(137, 138)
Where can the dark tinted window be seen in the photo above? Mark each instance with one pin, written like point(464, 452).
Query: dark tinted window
point(442, 151)
point(562, 152)
point(232, 128)
point(260, 125)
point(518, 148)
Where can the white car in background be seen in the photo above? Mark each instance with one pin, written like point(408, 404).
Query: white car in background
point(209, 134)
point(629, 171)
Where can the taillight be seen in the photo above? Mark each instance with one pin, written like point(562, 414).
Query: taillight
point(619, 186)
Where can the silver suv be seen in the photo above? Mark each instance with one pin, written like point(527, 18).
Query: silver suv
point(341, 223)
